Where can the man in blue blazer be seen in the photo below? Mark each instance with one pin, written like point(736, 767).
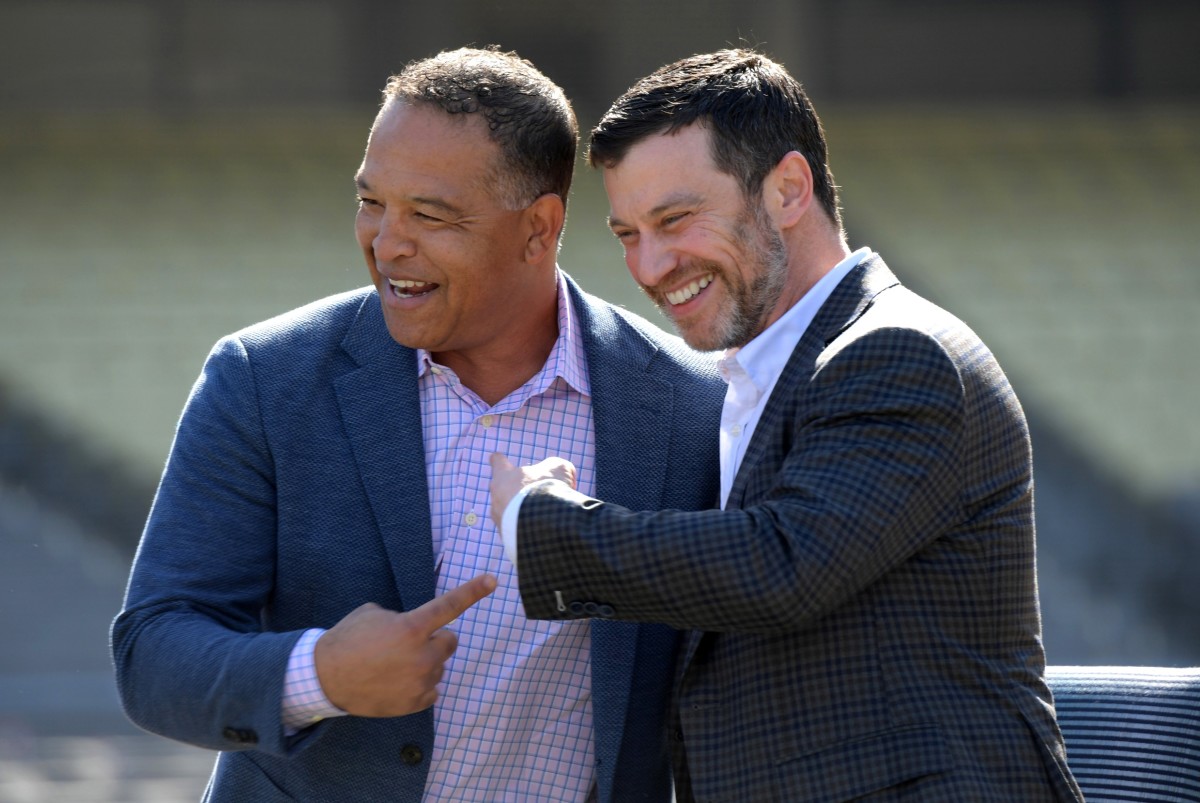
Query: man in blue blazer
point(319, 592)
point(864, 609)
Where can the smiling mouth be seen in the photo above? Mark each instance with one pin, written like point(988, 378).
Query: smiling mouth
point(685, 294)
point(407, 288)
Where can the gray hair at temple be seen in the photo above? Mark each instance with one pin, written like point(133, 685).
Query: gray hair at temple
point(527, 116)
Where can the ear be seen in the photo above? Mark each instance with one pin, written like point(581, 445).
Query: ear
point(544, 218)
point(788, 190)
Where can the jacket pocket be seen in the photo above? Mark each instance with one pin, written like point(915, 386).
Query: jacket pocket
point(238, 776)
point(867, 764)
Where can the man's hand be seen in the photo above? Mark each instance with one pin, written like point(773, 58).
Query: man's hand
point(381, 663)
point(508, 480)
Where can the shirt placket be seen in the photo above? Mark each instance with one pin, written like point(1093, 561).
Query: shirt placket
point(467, 546)
point(740, 400)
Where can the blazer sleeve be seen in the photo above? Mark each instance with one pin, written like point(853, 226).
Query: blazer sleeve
point(192, 660)
point(857, 473)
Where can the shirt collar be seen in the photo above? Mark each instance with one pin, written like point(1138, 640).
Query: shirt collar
point(567, 360)
point(763, 358)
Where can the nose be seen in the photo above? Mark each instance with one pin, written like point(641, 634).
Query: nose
point(392, 239)
point(650, 260)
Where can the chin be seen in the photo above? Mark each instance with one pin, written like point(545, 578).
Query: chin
point(700, 338)
point(400, 334)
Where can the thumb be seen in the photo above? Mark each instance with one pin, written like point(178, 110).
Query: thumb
point(500, 462)
point(563, 469)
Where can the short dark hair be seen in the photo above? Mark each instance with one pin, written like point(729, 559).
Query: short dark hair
point(754, 110)
point(528, 115)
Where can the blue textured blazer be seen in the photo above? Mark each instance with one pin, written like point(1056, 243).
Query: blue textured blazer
point(865, 611)
point(295, 491)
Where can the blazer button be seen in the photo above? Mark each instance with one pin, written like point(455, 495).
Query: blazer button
point(576, 608)
point(411, 754)
point(591, 608)
point(606, 611)
point(240, 735)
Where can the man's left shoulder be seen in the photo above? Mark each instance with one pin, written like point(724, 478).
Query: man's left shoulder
point(628, 335)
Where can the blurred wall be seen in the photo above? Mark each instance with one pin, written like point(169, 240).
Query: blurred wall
point(187, 55)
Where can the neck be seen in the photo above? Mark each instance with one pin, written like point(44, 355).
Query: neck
point(810, 259)
point(506, 363)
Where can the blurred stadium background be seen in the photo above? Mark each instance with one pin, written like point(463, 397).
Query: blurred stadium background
point(173, 170)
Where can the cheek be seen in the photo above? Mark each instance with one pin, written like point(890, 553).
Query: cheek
point(631, 260)
point(364, 230)
point(636, 255)
point(368, 224)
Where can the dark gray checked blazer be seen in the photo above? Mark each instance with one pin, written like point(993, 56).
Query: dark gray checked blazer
point(865, 611)
point(295, 491)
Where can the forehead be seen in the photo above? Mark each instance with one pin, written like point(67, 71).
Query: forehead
point(661, 168)
point(416, 143)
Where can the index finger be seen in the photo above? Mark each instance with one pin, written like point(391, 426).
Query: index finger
point(441, 611)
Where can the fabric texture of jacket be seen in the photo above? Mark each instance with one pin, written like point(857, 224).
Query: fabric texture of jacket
point(295, 491)
point(864, 613)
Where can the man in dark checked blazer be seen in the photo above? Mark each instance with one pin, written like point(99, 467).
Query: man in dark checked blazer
point(864, 609)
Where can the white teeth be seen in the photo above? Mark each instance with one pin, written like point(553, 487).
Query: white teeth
point(404, 285)
point(687, 293)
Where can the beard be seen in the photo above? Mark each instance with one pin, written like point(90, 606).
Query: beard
point(751, 295)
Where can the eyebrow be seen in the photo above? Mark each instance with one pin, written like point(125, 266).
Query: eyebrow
point(680, 198)
point(421, 200)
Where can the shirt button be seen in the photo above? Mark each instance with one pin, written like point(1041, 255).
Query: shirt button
point(487, 421)
point(470, 519)
point(436, 371)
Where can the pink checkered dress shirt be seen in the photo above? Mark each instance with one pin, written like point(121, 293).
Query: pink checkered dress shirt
point(513, 721)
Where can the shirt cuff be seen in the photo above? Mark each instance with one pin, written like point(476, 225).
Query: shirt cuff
point(508, 522)
point(304, 703)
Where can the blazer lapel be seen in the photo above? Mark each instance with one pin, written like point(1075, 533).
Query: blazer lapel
point(845, 305)
point(629, 407)
point(381, 413)
point(849, 300)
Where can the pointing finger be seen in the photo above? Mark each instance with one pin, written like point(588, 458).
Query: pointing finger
point(441, 611)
